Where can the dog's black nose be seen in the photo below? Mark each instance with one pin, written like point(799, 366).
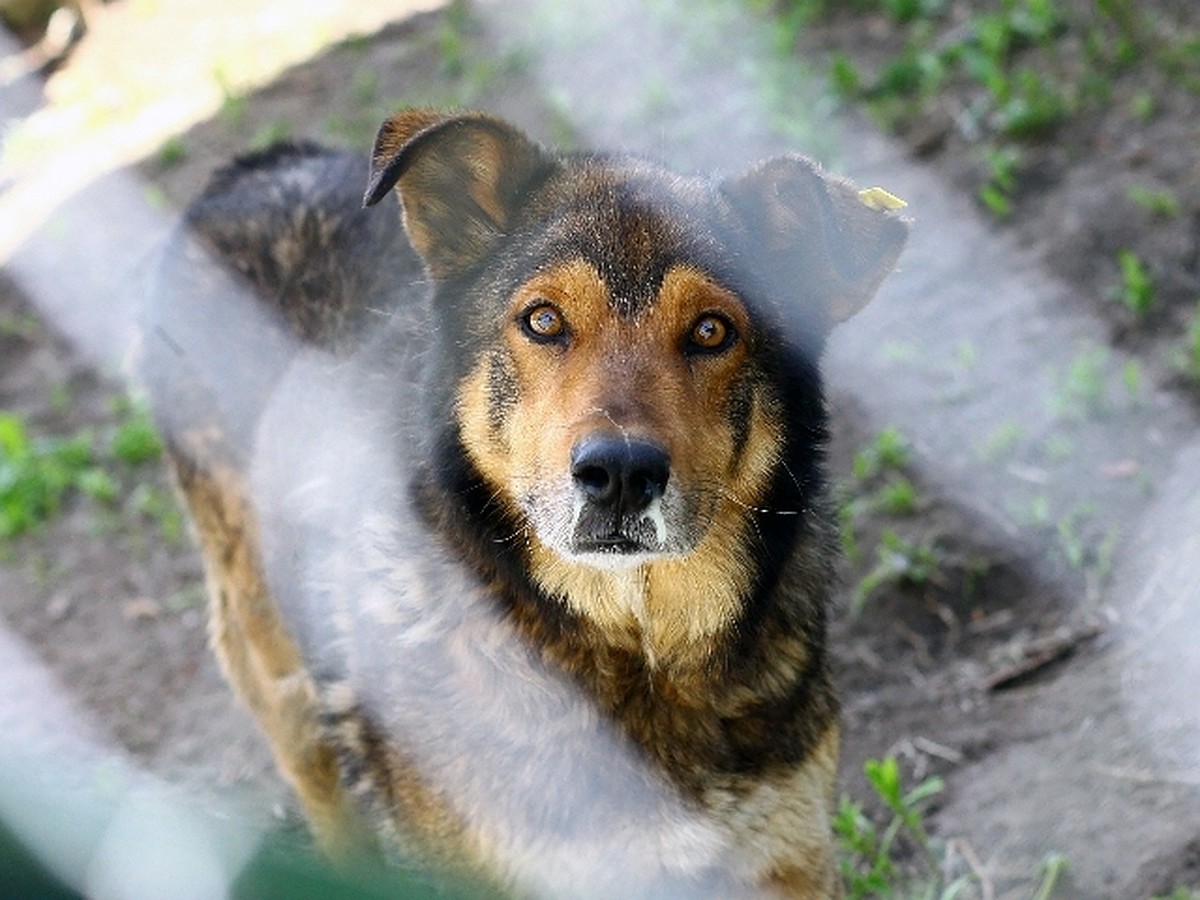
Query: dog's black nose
point(624, 475)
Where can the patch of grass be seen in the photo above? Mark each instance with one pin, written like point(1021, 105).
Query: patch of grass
point(889, 451)
point(453, 40)
point(59, 397)
point(1039, 510)
point(1180, 893)
point(844, 76)
point(1191, 349)
point(1059, 448)
point(871, 854)
point(1131, 376)
point(22, 325)
point(1136, 291)
point(135, 440)
point(233, 102)
point(1003, 168)
point(899, 562)
point(1082, 391)
point(1032, 106)
point(1010, 72)
point(171, 152)
point(1071, 540)
point(38, 473)
point(161, 507)
point(270, 133)
point(1052, 868)
point(899, 497)
point(192, 597)
point(1160, 202)
point(365, 87)
point(1143, 106)
point(879, 486)
point(1002, 442)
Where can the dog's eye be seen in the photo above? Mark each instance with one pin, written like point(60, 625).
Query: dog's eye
point(544, 323)
point(711, 334)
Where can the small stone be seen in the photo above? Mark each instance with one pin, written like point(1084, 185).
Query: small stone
point(59, 607)
point(141, 609)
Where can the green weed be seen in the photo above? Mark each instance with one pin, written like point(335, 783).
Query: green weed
point(161, 507)
point(1002, 442)
point(1131, 376)
point(899, 497)
point(1039, 511)
point(889, 451)
point(365, 88)
point(871, 854)
point(1032, 106)
point(1143, 106)
point(1052, 867)
point(193, 596)
point(135, 440)
point(1136, 291)
point(845, 78)
point(1072, 542)
point(59, 397)
point(23, 326)
point(899, 562)
point(1059, 448)
point(270, 133)
point(880, 486)
point(1158, 202)
point(1003, 165)
point(1191, 349)
point(453, 39)
point(233, 102)
point(1082, 392)
point(171, 152)
point(848, 529)
point(39, 473)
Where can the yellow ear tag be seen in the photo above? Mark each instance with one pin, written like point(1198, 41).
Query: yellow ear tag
point(878, 198)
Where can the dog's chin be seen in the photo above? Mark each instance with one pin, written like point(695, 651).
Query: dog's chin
point(613, 557)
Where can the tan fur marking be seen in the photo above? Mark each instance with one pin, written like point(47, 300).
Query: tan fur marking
point(258, 656)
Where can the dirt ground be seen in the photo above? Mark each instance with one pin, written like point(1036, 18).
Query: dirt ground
point(1026, 615)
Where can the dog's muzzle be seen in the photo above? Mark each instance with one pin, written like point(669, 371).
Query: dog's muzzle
point(618, 483)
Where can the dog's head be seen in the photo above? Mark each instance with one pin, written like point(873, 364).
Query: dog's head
point(634, 351)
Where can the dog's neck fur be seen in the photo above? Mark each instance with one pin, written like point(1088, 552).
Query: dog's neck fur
point(672, 609)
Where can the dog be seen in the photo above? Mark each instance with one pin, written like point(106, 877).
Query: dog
point(512, 500)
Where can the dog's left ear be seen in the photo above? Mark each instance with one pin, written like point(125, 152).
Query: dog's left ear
point(461, 178)
point(815, 235)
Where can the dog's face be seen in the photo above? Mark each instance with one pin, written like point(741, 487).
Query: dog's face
point(629, 344)
point(621, 429)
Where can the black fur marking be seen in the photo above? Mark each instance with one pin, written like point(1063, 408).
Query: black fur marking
point(502, 392)
point(740, 413)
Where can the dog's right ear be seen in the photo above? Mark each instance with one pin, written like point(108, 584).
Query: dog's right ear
point(816, 236)
point(461, 179)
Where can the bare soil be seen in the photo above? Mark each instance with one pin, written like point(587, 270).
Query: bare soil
point(1037, 656)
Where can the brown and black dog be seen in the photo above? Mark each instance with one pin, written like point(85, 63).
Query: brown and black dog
point(515, 518)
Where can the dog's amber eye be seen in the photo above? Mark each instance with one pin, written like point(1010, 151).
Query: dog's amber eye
point(544, 323)
point(711, 334)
